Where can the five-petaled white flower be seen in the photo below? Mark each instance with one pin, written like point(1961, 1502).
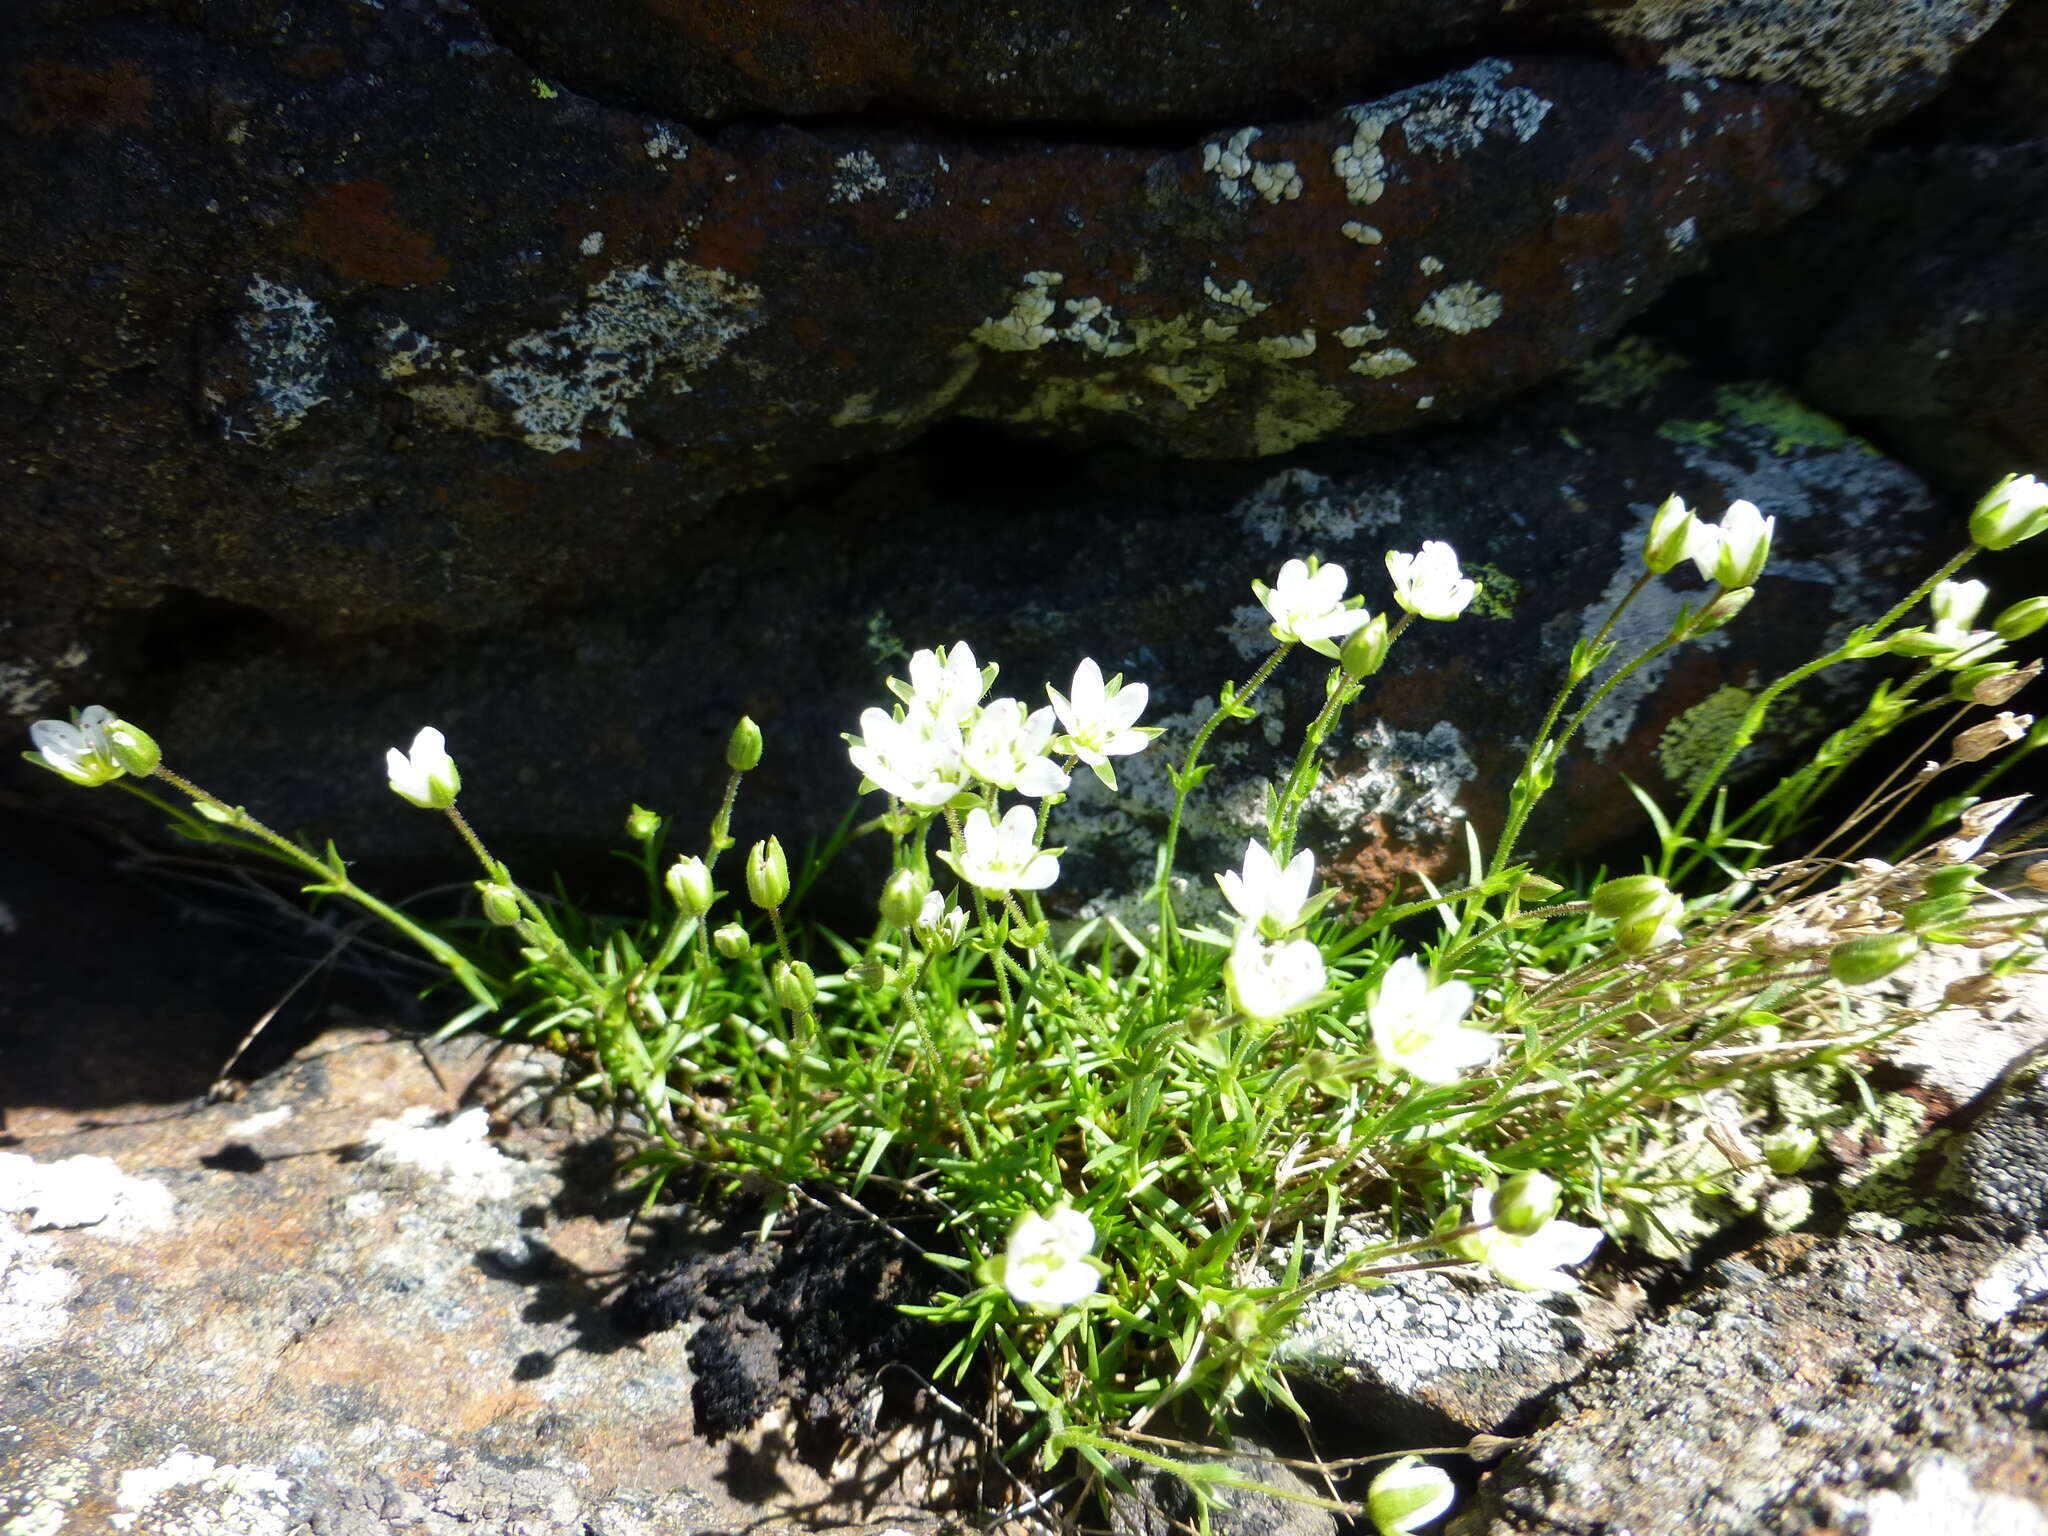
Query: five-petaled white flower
point(1428, 583)
point(1270, 981)
point(1004, 857)
point(1101, 719)
point(917, 762)
point(1046, 1262)
point(1309, 606)
point(945, 686)
point(1265, 894)
point(82, 753)
point(1006, 748)
point(1532, 1263)
point(1415, 1026)
point(1733, 554)
point(427, 775)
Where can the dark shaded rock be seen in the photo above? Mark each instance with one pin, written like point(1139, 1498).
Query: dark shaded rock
point(1996, 1171)
point(396, 1323)
point(1160, 1504)
point(1853, 1391)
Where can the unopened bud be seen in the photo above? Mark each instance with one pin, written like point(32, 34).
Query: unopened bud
point(1673, 530)
point(1534, 887)
point(2022, 618)
point(871, 974)
point(743, 747)
point(1628, 896)
point(1790, 1150)
point(132, 748)
point(1408, 1495)
point(500, 902)
point(2014, 509)
point(1323, 1072)
point(903, 897)
point(796, 985)
point(1921, 644)
point(732, 941)
point(1525, 1203)
point(1365, 649)
point(1242, 1322)
point(642, 824)
point(1720, 611)
point(1980, 741)
point(1859, 962)
point(1936, 911)
point(1651, 929)
point(767, 874)
point(689, 886)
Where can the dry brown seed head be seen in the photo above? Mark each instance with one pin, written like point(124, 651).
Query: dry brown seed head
point(1994, 691)
point(2037, 875)
point(1980, 741)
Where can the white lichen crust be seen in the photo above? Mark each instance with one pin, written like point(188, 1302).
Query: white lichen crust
point(284, 335)
point(1460, 309)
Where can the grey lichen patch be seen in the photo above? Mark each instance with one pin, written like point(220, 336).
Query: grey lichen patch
point(1856, 57)
point(1240, 176)
point(35, 1289)
point(855, 175)
point(285, 337)
point(1308, 513)
point(406, 352)
point(189, 1494)
point(1445, 119)
point(1411, 778)
point(26, 688)
point(1460, 309)
point(1385, 363)
point(457, 1153)
point(635, 328)
point(662, 144)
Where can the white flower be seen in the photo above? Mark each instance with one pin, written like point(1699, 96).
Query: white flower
point(1045, 1264)
point(1429, 583)
point(1415, 1026)
point(944, 687)
point(1733, 554)
point(1956, 605)
point(919, 763)
point(939, 924)
point(1270, 981)
point(1005, 857)
point(1675, 534)
point(1006, 748)
point(1408, 1495)
point(82, 753)
point(1310, 607)
point(426, 776)
point(1266, 894)
point(1101, 719)
point(1535, 1262)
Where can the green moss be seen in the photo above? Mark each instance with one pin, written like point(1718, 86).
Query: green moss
point(1692, 742)
point(1499, 593)
point(883, 645)
point(1626, 373)
point(1698, 434)
point(1790, 424)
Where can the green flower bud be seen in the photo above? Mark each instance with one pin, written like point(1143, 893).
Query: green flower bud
point(1790, 1150)
point(1655, 925)
point(642, 824)
point(2014, 509)
point(1921, 644)
point(500, 902)
point(1722, 609)
point(1937, 911)
point(1963, 686)
point(767, 874)
point(870, 974)
point(1535, 887)
point(1629, 896)
point(1672, 536)
point(1526, 1203)
point(1365, 650)
point(2022, 618)
point(1323, 1072)
point(1859, 962)
point(796, 985)
point(689, 886)
point(743, 747)
point(1242, 1322)
point(903, 897)
point(132, 748)
point(732, 941)
point(1956, 877)
point(1408, 1495)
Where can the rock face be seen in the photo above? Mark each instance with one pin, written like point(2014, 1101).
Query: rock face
point(363, 1312)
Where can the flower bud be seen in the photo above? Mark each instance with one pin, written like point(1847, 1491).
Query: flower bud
point(2022, 618)
point(642, 824)
point(1525, 1203)
point(1535, 887)
point(903, 897)
point(132, 748)
point(1323, 1072)
point(1964, 684)
point(1243, 1322)
point(500, 902)
point(1723, 608)
point(689, 886)
point(2014, 509)
point(743, 747)
point(1628, 896)
point(732, 941)
point(939, 925)
point(1673, 531)
point(1408, 1495)
point(1920, 643)
point(767, 874)
point(1936, 911)
point(1743, 547)
point(1956, 604)
point(1656, 925)
point(1980, 741)
point(870, 974)
point(1859, 962)
point(1790, 1150)
point(796, 985)
point(1365, 650)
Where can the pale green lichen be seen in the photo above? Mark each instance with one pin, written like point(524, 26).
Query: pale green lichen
point(1383, 364)
point(1498, 594)
point(1694, 741)
point(1460, 309)
point(1296, 410)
